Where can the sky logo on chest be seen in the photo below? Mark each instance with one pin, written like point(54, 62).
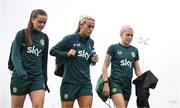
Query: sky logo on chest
point(84, 54)
point(33, 50)
point(126, 62)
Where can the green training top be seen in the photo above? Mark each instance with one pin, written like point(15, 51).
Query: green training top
point(76, 68)
point(30, 61)
point(122, 63)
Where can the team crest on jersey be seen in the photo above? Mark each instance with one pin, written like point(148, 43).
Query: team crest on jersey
point(42, 42)
point(66, 96)
point(14, 89)
point(133, 54)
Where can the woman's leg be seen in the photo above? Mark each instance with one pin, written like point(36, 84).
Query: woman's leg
point(85, 101)
point(17, 101)
point(37, 98)
point(119, 101)
point(67, 104)
point(126, 102)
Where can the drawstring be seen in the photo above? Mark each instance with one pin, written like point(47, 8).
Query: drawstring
point(108, 104)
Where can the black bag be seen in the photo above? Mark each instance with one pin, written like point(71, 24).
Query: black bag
point(59, 71)
point(10, 64)
point(59, 62)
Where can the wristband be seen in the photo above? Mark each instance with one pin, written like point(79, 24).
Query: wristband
point(105, 81)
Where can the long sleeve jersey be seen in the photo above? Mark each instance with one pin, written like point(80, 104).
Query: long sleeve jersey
point(30, 60)
point(76, 68)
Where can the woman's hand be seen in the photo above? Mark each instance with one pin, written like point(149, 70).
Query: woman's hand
point(72, 53)
point(95, 58)
point(106, 89)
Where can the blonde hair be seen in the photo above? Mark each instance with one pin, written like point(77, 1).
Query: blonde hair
point(82, 20)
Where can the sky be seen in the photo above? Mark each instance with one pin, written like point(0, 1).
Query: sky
point(156, 20)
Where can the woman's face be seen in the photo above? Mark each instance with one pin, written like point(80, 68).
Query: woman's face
point(87, 28)
point(39, 22)
point(127, 36)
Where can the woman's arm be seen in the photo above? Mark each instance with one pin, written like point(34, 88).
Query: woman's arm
point(137, 68)
point(107, 61)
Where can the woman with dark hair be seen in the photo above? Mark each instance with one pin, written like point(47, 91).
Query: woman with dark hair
point(29, 57)
point(77, 50)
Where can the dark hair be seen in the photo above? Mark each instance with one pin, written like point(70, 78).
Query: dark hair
point(82, 20)
point(28, 30)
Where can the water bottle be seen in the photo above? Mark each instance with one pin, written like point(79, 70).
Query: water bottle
point(93, 52)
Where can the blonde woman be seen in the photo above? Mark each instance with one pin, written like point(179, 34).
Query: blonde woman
point(77, 49)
